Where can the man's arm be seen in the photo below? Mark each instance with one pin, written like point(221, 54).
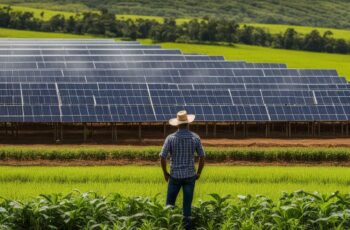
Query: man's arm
point(163, 155)
point(165, 171)
point(200, 166)
point(201, 154)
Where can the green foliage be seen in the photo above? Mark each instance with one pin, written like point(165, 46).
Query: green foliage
point(214, 154)
point(146, 180)
point(321, 13)
point(210, 30)
point(297, 210)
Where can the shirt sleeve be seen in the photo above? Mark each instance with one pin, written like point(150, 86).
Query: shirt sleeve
point(166, 148)
point(199, 148)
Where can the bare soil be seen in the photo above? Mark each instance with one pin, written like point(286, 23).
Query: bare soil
point(251, 142)
point(257, 142)
point(111, 162)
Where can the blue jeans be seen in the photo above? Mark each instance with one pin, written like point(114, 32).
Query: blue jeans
point(174, 187)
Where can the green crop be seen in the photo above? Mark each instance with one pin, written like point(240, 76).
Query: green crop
point(150, 153)
point(134, 180)
point(297, 210)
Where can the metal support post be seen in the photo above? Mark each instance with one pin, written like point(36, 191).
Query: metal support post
point(214, 131)
point(85, 132)
point(234, 129)
point(206, 129)
point(164, 129)
point(140, 136)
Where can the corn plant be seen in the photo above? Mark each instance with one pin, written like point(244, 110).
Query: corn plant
point(89, 210)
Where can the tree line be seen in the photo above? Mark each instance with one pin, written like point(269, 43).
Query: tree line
point(206, 30)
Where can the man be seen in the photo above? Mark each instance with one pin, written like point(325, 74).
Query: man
point(181, 147)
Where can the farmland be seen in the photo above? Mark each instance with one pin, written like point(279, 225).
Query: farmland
point(113, 154)
point(294, 59)
point(133, 170)
point(11, 33)
point(326, 14)
point(25, 182)
point(272, 28)
point(297, 210)
point(278, 28)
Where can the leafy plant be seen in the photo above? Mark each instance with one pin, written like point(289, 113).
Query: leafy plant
point(297, 210)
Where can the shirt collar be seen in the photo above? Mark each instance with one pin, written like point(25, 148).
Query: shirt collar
point(183, 133)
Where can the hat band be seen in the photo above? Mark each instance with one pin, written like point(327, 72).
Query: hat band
point(182, 118)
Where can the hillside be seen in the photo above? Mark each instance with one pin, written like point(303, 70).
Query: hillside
point(46, 15)
point(322, 13)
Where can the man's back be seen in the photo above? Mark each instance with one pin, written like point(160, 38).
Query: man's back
point(181, 147)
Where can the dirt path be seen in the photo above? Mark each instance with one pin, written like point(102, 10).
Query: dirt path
point(259, 142)
point(156, 163)
point(251, 142)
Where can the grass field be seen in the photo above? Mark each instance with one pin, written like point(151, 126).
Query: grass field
point(10, 33)
point(49, 13)
point(25, 182)
point(294, 59)
point(278, 28)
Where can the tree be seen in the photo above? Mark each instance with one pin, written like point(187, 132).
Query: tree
point(313, 41)
point(166, 31)
point(246, 35)
point(328, 42)
point(57, 23)
point(227, 31)
point(341, 46)
point(70, 25)
point(290, 39)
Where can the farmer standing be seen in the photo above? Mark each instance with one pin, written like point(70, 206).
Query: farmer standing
point(181, 147)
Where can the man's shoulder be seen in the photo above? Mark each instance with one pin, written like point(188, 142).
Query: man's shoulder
point(195, 135)
point(170, 136)
point(187, 134)
point(180, 135)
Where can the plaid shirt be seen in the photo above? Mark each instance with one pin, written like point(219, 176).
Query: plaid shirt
point(181, 147)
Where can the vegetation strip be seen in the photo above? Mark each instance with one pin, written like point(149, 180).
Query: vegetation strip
point(206, 30)
point(24, 182)
point(325, 13)
point(297, 210)
point(150, 153)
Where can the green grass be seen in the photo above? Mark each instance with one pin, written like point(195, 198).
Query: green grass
point(26, 182)
point(11, 33)
point(294, 59)
point(49, 13)
point(278, 28)
point(37, 12)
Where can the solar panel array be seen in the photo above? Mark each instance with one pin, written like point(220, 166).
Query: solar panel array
point(107, 81)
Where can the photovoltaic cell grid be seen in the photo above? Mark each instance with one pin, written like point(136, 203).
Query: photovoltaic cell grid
point(106, 81)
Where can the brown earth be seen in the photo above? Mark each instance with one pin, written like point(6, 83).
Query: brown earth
point(222, 142)
point(111, 162)
point(258, 142)
point(264, 142)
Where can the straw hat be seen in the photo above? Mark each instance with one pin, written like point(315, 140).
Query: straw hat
point(182, 118)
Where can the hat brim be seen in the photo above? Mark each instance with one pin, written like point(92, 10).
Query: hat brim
point(176, 122)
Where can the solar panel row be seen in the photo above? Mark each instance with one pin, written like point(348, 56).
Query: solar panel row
point(107, 81)
point(129, 65)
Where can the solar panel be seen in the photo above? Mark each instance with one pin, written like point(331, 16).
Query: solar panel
point(107, 81)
